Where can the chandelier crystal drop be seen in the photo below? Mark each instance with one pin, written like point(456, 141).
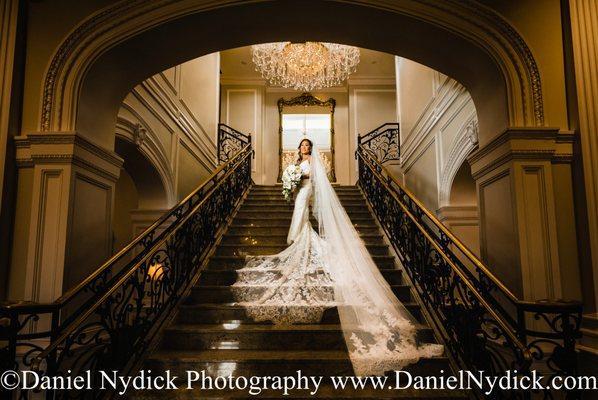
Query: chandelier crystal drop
point(305, 66)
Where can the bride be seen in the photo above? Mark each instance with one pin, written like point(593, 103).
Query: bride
point(331, 268)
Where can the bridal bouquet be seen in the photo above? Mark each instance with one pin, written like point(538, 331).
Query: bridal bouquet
point(291, 177)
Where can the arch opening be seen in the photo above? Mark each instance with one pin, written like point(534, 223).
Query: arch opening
point(397, 31)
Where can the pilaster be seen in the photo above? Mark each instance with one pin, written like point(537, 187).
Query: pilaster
point(63, 223)
point(527, 225)
point(584, 35)
point(9, 10)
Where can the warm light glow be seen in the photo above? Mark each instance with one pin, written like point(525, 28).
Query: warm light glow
point(305, 66)
point(155, 271)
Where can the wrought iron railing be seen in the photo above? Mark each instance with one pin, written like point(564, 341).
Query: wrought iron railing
point(383, 142)
point(230, 142)
point(484, 326)
point(107, 322)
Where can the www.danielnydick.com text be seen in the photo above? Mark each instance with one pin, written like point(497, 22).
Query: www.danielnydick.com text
point(287, 384)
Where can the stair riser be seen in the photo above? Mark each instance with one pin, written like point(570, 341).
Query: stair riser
point(283, 202)
point(318, 367)
point(280, 240)
point(237, 230)
point(224, 294)
point(242, 250)
point(234, 263)
point(289, 213)
point(253, 368)
point(217, 315)
point(225, 278)
point(268, 208)
point(279, 197)
point(268, 340)
point(261, 222)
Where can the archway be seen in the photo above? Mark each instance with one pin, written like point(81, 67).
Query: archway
point(138, 191)
point(460, 40)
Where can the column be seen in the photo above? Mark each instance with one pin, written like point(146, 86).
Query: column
point(63, 222)
point(527, 224)
point(584, 35)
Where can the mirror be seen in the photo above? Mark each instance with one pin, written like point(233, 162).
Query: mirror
point(306, 116)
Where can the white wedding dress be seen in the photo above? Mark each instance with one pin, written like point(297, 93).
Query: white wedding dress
point(331, 269)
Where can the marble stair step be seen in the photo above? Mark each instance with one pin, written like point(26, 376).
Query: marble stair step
point(214, 313)
point(223, 277)
point(284, 230)
point(278, 196)
point(262, 336)
point(253, 239)
point(254, 337)
point(226, 294)
point(337, 188)
point(234, 262)
point(282, 201)
point(265, 249)
point(271, 362)
point(325, 391)
point(258, 220)
point(210, 313)
point(260, 213)
point(283, 206)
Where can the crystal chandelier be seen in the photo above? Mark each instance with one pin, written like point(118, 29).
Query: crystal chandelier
point(305, 66)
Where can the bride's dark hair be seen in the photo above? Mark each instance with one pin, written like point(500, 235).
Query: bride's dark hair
point(311, 146)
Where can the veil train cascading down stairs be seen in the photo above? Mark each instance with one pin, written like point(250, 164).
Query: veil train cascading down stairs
point(211, 333)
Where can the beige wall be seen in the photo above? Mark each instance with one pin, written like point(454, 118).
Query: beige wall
point(170, 122)
point(438, 125)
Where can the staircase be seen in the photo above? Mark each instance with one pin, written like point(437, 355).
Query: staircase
point(211, 333)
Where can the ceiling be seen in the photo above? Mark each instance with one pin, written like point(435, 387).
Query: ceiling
point(236, 64)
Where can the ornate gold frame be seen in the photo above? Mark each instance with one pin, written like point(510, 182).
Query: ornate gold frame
point(306, 99)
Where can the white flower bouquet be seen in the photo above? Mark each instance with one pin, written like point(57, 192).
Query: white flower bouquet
point(291, 177)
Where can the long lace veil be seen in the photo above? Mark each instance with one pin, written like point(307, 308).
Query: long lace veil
point(380, 332)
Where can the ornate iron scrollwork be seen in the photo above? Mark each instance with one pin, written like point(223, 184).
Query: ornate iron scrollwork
point(382, 142)
point(230, 142)
point(483, 325)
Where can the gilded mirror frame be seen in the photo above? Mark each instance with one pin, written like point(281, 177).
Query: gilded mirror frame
point(306, 99)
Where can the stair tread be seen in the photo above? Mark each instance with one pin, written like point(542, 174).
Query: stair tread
point(284, 235)
point(228, 287)
point(250, 355)
point(235, 305)
point(252, 327)
point(258, 355)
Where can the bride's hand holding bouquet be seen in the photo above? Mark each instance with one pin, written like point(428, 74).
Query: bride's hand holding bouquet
point(291, 178)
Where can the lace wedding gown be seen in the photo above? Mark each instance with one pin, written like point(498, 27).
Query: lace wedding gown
point(332, 268)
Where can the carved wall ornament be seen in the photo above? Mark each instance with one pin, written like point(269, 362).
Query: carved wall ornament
point(465, 142)
point(139, 134)
point(472, 131)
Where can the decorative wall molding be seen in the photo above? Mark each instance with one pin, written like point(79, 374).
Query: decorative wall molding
point(151, 148)
point(445, 106)
point(59, 147)
point(109, 26)
point(440, 106)
point(466, 141)
point(177, 111)
point(523, 144)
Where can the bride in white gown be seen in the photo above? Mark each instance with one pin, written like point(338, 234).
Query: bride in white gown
point(331, 269)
